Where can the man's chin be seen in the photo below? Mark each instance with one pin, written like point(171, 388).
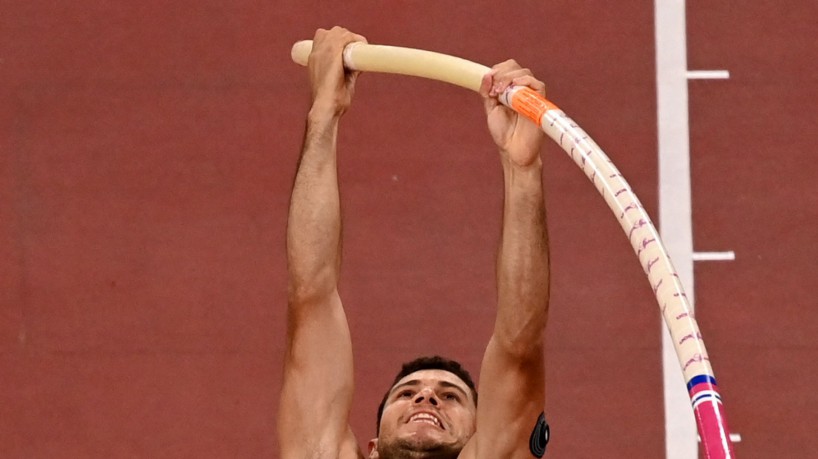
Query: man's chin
point(419, 446)
point(425, 433)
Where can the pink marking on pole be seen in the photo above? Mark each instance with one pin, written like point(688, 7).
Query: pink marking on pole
point(656, 287)
point(620, 192)
point(652, 262)
point(636, 226)
point(696, 359)
point(682, 315)
point(697, 336)
point(645, 243)
point(585, 155)
point(631, 206)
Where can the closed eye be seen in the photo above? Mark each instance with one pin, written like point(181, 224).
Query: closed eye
point(451, 396)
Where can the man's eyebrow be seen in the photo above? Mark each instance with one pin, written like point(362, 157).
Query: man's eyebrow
point(415, 382)
point(453, 386)
point(411, 382)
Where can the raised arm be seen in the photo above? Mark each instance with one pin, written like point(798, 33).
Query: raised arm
point(512, 375)
point(316, 395)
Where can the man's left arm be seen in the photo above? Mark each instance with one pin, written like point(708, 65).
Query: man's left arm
point(512, 375)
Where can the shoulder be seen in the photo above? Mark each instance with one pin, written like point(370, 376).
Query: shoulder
point(345, 448)
point(350, 448)
point(482, 446)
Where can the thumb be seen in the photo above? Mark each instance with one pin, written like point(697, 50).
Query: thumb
point(489, 100)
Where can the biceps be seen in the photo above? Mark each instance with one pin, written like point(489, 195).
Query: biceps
point(512, 396)
point(316, 394)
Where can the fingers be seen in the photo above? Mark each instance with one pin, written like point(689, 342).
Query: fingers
point(486, 91)
point(332, 84)
point(336, 38)
point(507, 74)
point(329, 46)
point(531, 82)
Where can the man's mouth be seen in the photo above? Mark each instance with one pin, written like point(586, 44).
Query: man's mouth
point(427, 418)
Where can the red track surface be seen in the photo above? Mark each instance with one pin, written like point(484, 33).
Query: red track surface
point(146, 156)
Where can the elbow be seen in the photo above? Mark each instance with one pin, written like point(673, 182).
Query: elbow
point(305, 289)
point(525, 352)
point(522, 345)
point(520, 331)
point(304, 295)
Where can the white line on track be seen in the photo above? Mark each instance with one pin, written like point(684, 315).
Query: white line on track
point(674, 207)
point(707, 74)
point(714, 256)
point(734, 437)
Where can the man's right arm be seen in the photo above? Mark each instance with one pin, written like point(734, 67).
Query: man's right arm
point(317, 388)
point(316, 394)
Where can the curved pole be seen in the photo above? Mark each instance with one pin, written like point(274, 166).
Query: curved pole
point(667, 287)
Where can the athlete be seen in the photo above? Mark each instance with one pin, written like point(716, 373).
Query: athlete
point(431, 410)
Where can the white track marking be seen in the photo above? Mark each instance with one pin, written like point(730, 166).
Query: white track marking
point(714, 256)
point(707, 74)
point(674, 208)
point(734, 437)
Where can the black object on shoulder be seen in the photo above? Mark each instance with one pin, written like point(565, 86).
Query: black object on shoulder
point(539, 437)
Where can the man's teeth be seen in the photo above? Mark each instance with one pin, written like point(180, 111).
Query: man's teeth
point(423, 417)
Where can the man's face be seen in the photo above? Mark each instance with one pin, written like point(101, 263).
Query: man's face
point(429, 411)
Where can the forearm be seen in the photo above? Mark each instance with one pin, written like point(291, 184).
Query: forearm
point(317, 391)
point(523, 261)
point(316, 395)
point(512, 393)
point(314, 223)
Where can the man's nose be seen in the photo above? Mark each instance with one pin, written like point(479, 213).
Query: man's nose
point(426, 395)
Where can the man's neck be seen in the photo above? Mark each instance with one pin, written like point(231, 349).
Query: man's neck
point(404, 452)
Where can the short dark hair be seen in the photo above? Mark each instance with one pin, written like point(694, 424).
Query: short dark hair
point(428, 363)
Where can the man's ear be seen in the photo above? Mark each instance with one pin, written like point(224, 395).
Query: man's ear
point(373, 449)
